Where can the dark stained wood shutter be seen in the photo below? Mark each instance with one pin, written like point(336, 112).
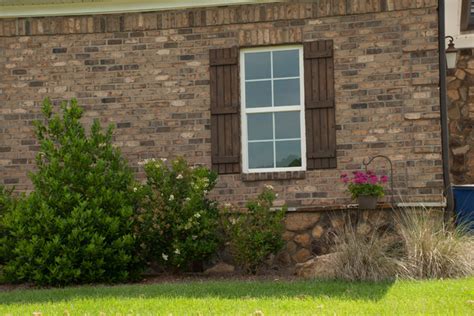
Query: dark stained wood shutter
point(225, 109)
point(320, 104)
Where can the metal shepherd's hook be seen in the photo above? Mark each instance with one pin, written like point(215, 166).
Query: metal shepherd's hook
point(366, 164)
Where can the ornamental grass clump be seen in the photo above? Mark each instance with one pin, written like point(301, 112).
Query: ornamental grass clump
point(432, 248)
point(366, 256)
point(177, 224)
point(75, 227)
point(365, 184)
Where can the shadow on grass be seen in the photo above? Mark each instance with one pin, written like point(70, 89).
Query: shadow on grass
point(206, 289)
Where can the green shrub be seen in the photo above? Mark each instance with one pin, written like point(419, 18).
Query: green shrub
point(76, 226)
point(257, 233)
point(6, 204)
point(177, 224)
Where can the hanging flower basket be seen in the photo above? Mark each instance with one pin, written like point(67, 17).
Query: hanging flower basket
point(367, 202)
point(365, 188)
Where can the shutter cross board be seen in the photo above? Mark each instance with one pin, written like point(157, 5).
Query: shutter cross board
point(320, 108)
point(225, 110)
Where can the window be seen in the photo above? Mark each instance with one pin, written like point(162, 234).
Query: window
point(467, 15)
point(260, 123)
point(273, 133)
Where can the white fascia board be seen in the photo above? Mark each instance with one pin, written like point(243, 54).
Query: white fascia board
point(112, 6)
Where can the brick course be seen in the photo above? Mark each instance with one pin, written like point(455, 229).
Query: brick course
point(148, 74)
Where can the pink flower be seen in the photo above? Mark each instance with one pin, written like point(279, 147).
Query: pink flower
point(344, 178)
point(373, 179)
point(383, 179)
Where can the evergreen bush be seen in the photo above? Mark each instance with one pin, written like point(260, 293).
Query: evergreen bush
point(76, 226)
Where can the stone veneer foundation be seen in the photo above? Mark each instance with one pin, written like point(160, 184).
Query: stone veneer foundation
point(461, 118)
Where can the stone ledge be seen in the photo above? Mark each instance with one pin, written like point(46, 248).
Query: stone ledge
point(265, 176)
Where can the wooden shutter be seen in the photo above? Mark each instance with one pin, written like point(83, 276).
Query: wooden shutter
point(319, 104)
point(225, 109)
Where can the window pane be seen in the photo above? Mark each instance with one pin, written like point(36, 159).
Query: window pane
point(286, 64)
point(287, 125)
point(257, 65)
point(258, 94)
point(288, 153)
point(260, 126)
point(287, 92)
point(261, 155)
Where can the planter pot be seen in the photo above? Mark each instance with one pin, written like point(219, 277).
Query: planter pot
point(367, 202)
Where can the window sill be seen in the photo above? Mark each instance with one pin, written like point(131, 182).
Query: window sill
point(266, 176)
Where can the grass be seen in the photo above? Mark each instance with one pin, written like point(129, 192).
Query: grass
point(434, 297)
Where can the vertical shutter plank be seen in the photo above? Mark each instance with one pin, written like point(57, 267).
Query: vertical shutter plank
point(320, 105)
point(225, 110)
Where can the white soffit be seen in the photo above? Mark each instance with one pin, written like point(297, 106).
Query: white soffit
point(32, 8)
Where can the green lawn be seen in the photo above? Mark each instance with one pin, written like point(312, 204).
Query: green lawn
point(449, 297)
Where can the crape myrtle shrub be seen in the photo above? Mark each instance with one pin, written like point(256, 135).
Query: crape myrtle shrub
point(257, 233)
point(177, 224)
point(76, 226)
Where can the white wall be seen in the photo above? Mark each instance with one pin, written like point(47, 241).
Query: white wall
point(453, 25)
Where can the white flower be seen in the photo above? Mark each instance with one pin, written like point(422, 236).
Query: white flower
point(194, 237)
point(177, 251)
point(179, 176)
point(197, 215)
point(135, 189)
point(205, 191)
point(268, 186)
point(227, 205)
point(233, 221)
point(171, 197)
point(165, 257)
point(276, 194)
point(187, 199)
point(163, 159)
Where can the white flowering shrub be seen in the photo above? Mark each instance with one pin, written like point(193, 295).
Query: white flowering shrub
point(257, 233)
point(177, 223)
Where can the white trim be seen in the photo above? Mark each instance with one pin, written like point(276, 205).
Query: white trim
point(453, 25)
point(110, 6)
point(272, 109)
point(422, 204)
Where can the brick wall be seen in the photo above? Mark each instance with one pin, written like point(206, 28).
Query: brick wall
point(148, 74)
point(461, 118)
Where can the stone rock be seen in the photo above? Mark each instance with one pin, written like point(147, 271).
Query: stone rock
point(220, 268)
point(283, 258)
point(460, 74)
point(454, 113)
point(302, 255)
point(317, 231)
point(291, 247)
point(321, 267)
point(304, 240)
point(287, 236)
point(470, 64)
point(457, 151)
point(301, 221)
point(453, 95)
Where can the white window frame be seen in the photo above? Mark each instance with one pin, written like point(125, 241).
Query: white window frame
point(272, 109)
